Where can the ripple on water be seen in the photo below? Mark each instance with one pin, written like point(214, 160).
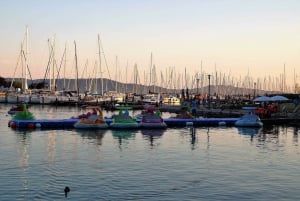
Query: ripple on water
point(177, 164)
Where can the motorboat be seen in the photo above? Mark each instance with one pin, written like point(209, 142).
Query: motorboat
point(249, 120)
point(94, 120)
point(171, 100)
point(151, 98)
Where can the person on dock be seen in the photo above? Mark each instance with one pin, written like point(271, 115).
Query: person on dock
point(160, 100)
point(194, 107)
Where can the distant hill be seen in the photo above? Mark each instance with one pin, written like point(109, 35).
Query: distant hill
point(95, 86)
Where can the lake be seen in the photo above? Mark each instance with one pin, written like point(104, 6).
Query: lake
point(216, 163)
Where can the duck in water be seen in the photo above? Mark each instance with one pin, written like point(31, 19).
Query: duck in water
point(67, 190)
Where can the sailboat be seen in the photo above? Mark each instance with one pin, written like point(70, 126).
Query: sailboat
point(20, 95)
point(54, 96)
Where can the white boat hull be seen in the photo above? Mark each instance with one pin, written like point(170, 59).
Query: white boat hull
point(249, 120)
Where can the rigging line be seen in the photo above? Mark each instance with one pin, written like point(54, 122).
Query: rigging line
point(12, 81)
point(55, 64)
point(48, 65)
point(61, 62)
point(105, 62)
point(77, 83)
point(92, 84)
point(85, 72)
point(85, 68)
point(27, 66)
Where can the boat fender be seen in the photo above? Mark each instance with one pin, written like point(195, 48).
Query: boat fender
point(189, 123)
point(222, 123)
point(31, 125)
point(12, 124)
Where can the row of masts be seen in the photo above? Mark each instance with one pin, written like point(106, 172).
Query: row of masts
point(171, 79)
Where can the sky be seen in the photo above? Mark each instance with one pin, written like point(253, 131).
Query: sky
point(259, 38)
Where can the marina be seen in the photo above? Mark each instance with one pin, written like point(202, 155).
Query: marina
point(170, 122)
point(204, 117)
point(69, 123)
point(150, 100)
point(209, 163)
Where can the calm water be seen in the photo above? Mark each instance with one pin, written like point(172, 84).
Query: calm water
point(175, 164)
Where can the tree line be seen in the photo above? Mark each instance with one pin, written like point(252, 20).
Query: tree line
point(18, 84)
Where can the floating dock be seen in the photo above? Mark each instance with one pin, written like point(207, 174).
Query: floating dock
point(43, 123)
point(69, 123)
point(174, 122)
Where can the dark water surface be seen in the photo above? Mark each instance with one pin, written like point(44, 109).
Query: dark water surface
point(217, 163)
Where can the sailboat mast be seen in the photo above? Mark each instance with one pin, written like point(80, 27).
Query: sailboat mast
point(295, 81)
point(284, 80)
point(53, 64)
point(96, 80)
point(126, 77)
point(185, 79)
point(26, 52)
point(201, 84)
point(135, 78)
point(65, 64)
point(76, 66)
point(150, 78)
point(99, 47)
point(116, 74)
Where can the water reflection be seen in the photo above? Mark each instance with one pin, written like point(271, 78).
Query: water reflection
point(295, 130)
point(190, 134)
point(271, 129)
point(207, 133)
point(193, 137)
point(24, 141)
point(94, 134)
point(268, 134)
point(273, 137)
point(249, 131)
point(262, 134)
point(295, 136)
point(123, 136)
point(152, 134)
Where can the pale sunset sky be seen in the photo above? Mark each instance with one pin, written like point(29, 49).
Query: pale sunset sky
point(235, 37)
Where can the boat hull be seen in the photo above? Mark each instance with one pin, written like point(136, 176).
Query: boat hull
point(249, 120)
point(117, 125)
point(153, 125)
point(248, 124)
point(79, 125)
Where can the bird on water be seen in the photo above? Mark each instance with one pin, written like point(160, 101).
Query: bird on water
point(67, 190)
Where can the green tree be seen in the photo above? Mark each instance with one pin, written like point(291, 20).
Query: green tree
point(17, 84)
point(2, 82)
point(39, 85)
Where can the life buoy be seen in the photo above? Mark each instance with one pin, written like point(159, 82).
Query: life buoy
point(12, 124)
point(31, 126)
